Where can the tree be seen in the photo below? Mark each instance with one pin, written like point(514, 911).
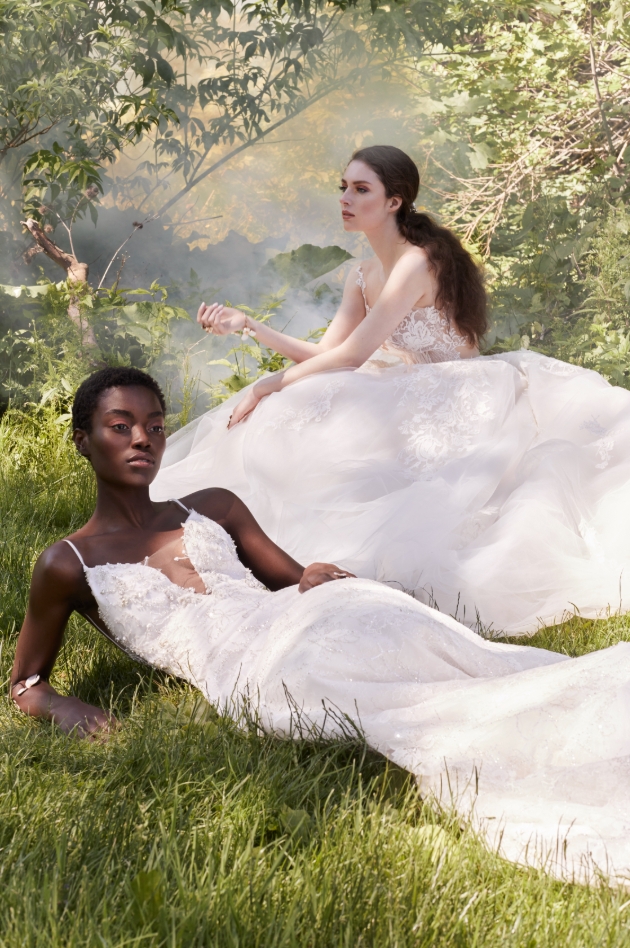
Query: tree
point(528, 159)
point(70, 67)
point(258, 65)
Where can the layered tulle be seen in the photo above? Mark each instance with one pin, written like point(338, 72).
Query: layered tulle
point(534, 746)
point(497, 488)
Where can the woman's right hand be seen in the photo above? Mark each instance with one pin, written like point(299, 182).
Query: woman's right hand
point(221, 320)
point(318, 573)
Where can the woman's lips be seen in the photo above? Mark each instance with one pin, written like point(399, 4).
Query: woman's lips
point(141, 461)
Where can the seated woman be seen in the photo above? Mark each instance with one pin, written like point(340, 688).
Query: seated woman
point(195, 587)
point(496, 487)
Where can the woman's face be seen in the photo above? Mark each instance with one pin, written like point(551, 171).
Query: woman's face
point(127, 440)
point(364, 204)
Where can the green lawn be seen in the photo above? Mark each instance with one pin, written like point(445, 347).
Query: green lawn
point(186, 830)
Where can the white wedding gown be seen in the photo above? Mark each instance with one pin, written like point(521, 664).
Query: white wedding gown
point(496, 488)
point(536, 743)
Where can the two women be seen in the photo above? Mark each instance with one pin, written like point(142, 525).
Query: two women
point(539, 743)
point(501, 483)
point(497, 487)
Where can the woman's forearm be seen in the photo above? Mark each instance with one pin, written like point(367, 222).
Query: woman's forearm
point(338, 358)
point(297, 350)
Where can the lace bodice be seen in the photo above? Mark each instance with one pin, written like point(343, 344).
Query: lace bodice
point(424, 335)
point(151, 617)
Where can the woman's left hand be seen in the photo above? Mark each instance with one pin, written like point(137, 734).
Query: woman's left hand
point(245, 407)
point(250, 401)
point(318, 573)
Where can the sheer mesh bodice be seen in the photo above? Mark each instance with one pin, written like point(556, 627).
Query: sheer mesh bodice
point(424, 335)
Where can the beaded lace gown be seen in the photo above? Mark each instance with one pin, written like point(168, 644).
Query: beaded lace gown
point(534, 745)
point(495, 488)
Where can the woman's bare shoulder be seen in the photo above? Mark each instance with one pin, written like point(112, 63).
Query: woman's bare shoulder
point(58, 567)
point(414, 260)
point(216, 503)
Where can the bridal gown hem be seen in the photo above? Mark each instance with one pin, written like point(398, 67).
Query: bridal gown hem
point(534, 746)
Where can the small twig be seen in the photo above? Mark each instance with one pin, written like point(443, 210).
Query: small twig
point(197, 220)
point(136, 227)
point(598, 96)
point(120, 270)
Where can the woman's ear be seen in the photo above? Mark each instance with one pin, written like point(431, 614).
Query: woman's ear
point(395, 203)
point(81, 441)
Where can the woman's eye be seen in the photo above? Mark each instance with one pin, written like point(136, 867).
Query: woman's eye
point(158, 428)
point(362, 190)
point(121, 426)
point(343, 187)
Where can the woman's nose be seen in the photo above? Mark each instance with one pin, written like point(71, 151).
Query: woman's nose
point(140, 437)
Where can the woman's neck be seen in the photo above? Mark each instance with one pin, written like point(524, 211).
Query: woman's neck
point(121, 507)
point(388, 245)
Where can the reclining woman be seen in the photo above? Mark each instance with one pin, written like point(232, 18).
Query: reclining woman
point(195, 587)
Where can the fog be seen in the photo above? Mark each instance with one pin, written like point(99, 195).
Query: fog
point(275, 197)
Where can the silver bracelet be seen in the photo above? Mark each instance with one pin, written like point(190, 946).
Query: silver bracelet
point(29, 683)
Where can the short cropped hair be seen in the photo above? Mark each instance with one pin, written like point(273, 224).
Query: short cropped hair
point(91, 389)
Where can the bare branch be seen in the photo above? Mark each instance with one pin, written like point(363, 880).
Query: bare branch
point(76, 272)
point(136, 227)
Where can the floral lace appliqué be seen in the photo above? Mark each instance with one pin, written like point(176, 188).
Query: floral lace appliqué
point(424, 334)
point(448, 412)
point(604, 444)
point(313, 412)
point(563, 370)
point(150, 616)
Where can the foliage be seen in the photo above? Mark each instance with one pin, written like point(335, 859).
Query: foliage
point(304, 264)
point(596, 335)
point(47, 359)
point(71, 66)
point(526, 153)
point(43, 356)
point(251, 360)
point(69, 184)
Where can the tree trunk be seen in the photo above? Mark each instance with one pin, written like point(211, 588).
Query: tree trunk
point(76, 271)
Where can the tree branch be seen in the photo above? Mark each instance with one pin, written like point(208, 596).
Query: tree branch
point(236, 151)
point(600, 104)
point(77, 273)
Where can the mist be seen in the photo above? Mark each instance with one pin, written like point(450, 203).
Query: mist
point(214, 245)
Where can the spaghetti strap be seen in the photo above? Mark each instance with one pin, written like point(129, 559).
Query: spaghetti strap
point(70, 543)
point(174, 500)
point(362, 285)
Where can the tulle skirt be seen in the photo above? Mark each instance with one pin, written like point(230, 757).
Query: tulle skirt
point(495, 488)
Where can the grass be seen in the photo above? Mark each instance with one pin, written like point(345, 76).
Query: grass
point(186, 830)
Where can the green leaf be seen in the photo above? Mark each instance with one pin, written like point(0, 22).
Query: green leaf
point(147, 71)
point(147, 895)
point(298, 823)
point(304, 264)
point(165, 70)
